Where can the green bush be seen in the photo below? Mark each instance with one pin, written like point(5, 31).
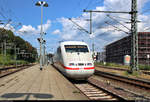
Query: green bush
point(144, 67)
point(99, 63)
point(141, 67)
point(112, 65)
point(9, 60)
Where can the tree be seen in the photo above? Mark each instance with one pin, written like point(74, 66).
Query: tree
point(9, 37)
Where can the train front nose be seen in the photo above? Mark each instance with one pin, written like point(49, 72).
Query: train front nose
point(80, 73)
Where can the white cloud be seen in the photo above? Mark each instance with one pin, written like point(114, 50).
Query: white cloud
point(57, 31)
point(45, 26)
point(103, 36)
point(67, 31)
point(28, 29)
point(8, 27)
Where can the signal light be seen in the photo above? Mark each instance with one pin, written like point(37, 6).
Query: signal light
point(38, 39)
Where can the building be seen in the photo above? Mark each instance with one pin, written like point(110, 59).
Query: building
point(101, 56)
point(116, 51)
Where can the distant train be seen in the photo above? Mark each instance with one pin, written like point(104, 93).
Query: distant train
point(74, 60)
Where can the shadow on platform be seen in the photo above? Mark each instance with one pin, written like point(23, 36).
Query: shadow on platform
point(36, 95)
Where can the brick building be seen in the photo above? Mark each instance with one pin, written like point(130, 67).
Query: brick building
point(116, 51)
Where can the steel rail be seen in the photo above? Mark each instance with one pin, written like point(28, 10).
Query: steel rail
point(138, 82)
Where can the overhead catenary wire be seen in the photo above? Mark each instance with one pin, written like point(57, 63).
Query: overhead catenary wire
point(3, 3)
point(82, 29)
point(79, 26)
point(118, 22)
point(90, 2)
point(6, 11)
point(3, 15)
point(75, 10)
point(121, 18)
point(117, 28)
point(106, 34)
point(79, 17)
point(9, 15)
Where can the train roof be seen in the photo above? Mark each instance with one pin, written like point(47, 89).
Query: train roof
point(73, 43)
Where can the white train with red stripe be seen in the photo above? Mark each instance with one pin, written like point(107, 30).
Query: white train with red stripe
point(74, 60)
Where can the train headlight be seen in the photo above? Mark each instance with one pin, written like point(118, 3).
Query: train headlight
point(71, 64)
point(89, 64)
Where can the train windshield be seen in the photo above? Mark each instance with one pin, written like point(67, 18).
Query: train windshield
point(76, 48)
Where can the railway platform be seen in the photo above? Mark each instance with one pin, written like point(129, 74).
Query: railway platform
point(34, 84)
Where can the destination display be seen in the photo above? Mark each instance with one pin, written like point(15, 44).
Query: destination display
point(76, 48)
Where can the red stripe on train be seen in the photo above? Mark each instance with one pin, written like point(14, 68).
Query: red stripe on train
point(89, 68)
point(86, 68)
point(71, 68)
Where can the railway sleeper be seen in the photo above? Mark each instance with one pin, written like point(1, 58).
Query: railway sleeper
point(98, 92)
point(103, 98)
point(124, 79)
point(98, 95)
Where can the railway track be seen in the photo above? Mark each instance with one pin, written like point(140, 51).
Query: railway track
point(10, 70)
point(123, 69)
point(91, 91)
point(99, 90)
point(131, 81)
point(114, 68)
point(95, 93)
point(135, 85)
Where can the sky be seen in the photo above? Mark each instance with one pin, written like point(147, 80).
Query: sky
point(106, 28)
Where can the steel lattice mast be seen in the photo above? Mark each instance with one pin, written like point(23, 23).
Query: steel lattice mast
point(134, 36)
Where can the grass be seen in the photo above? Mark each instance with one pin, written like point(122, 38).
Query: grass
point(134, 73)
point(129, 73)
point(9, 60)
point(141, 67)
point(144, 67)
point(112, 65)
point(126, 73)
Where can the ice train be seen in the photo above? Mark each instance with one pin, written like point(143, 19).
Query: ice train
point(74, 60)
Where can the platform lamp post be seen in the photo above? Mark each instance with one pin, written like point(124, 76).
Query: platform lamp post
point(42, 4)
point(44, 48)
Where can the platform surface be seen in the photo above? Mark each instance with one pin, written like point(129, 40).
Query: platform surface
point(34, 84)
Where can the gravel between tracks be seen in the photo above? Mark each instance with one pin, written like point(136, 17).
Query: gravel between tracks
point(117, 90)
point(123, 73)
